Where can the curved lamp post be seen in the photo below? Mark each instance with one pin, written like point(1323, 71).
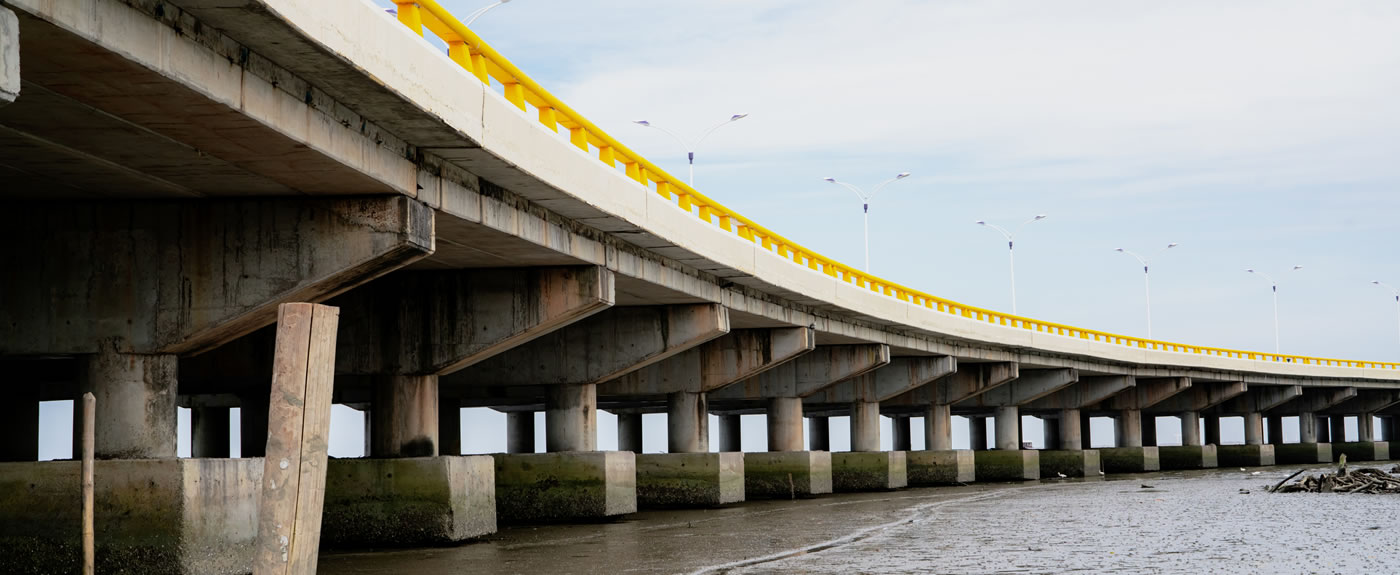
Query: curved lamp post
point(1394, 291)
point(691, 146)
point(481, 11)
point(1274, 285)
point(1011, 248)
point(1147, 279)
point(865, 205)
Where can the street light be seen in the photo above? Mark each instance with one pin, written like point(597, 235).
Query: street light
point(690, 147)
point(1147, 279)
point(865, 205)
point(1393, 291)
point(1275, 290)
point(1011, 247)
point(480, 11)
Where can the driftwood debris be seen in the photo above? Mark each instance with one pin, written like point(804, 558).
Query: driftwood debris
point(1364, 480)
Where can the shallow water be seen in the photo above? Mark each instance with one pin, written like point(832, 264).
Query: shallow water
point(1187, 522)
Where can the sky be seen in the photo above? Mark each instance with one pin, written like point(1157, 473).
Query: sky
point(1254, 134)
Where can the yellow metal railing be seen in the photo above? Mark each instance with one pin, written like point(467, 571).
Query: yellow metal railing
point(479, 59)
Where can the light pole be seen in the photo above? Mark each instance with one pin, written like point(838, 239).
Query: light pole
point(1147, 279)
point(1274, 285)
point(480, 11)
point(690, 147)
point(1011, 248)
point(1393, 291)
point(865, 206)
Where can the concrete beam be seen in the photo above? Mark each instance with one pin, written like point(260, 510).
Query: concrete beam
point(1033, 384)
point(808, 374)
point(186, 277)
point(1148, 392)
point(1367, 401)
point(9, 56)
point(1089, 390)
point(1200, 397)
point(726, 360)
point(1314, 400)
point(903, 374)
point(601, 348)
point(1259, 399)
point(439, 322)
point(970, 380)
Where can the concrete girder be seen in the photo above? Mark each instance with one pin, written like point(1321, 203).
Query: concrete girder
point(1147, 393)
point(902, 375)
point(726, 360)
point(1314, 400)
point(1259, 399)
point(181, 278)
point(1089, 390)
point(808, 374)
point(439, 322)
point(9, 56)
point(970, 380)
point(1032, 384)
point(1200, 397)
point(1367, 401)
point(601, 348)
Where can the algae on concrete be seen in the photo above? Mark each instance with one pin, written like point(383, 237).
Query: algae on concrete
point(1129, 459)
point(868, 471)
point(1070, 463)
point(787, 474)
point(1187, 457)
point(1363, 450)
point(408, 502)
point(690, 479)
point(1245, 455)
point(941, 467)
point(1306, 453)
point(564, 486)
point(1007, 465)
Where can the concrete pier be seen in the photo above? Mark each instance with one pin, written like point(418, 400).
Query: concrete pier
point(1188, 457)
point(405, 415)
point(565, 486)
point(1130, 459)
point(901, 427)
point(1362, 450)
point(977, 433)
point(1248, 455)
point(1274, 426)
point(730, 434)
point(687, 423)
point(1304, 453)
point(1007, 465)
point(1338, 426)
point(136, 413)
point(819, 433)
point(941, 467)
point(414, 501)
point(209, 432)
point(785, 475)
point(1071, 436)
point(938, 427)
point(629, 432)
point(690, 479)
point(571, 418)
point(520, 432)
point(1212, 428)
point(1008, 428)
point(869, 470)
point(1190, 428)
point(1085, 463)
point(865, 426)
point(785, 424)
point(19, 417)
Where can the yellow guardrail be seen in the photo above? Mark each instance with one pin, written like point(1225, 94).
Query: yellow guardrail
point(482, 61)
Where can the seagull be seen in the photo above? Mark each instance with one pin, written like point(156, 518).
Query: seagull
point(1061, 474)
point(1100, 472)
point(1255, 473)
point(1243, 469)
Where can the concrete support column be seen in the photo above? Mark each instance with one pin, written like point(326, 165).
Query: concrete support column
point(136, 411)
point(1254, 428)
point(785, 424)
point(865, 426)
point(1050, 430)
point(1149, 430)
point(1086, 430)
point(977, 433)
point(1212, 429)
point(1008, 422)
point(938, 428)
point(1338, 425)
point(730, 434)
point(1190, 428)
point(571, 418)
point(629, 432)
point(687, 423)
point(19, 424)
point(368, 416)
point(1072, 430)
point(1307, 427)
point(449, 426)
point(901, 426)
point(818, 434)
point(520, 432)
point(1324, 431)
point(1387, 429)
point(1127, 429)
point(209, 432)
point(1365, 427)
point(405, 416)
point(1275, 426)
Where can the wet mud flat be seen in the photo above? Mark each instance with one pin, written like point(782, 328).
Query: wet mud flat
point(1185, 522)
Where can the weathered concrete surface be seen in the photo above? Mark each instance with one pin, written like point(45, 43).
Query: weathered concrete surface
point(1305, 453)
point(1083, 463)
point(689, 479)
point(787, 474)
point(9, 56)
point(136, 413)
point(869, 470)
point(1245, 455)
point(158, 516)
point(1007, 465)
point(941, 467)
point(408, 502)
point(1362, 450)
point(573, 486)
point(1188, 457)
point(1130, 459)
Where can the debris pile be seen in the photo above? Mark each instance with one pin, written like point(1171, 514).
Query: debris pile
point(1365, 480)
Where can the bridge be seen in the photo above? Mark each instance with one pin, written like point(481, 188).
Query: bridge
point(175, 170)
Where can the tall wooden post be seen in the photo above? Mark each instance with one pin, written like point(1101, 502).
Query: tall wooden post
point(89, 449)
point(299, 417)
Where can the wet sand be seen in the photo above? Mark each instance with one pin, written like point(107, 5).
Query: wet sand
point(1187, 522)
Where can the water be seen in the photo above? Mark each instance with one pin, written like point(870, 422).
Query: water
point(1187, 522)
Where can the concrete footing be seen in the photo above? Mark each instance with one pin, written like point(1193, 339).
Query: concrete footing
point(408, 502)
point(1188, 457)
point(1084, 463)
point(1130, 459)
point(940, 467)
point(1245, 455)
point(1363, 450)
point(786, 474)
point(869, 470)
point(152, 516)
point(689, 479)
point(1303, 453)
point(1007, 465)
point(564, 486)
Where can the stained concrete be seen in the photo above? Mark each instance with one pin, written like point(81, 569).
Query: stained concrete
point(1290, 453)
point(941, 467)
point(869, 470)
point(1245, 455)
point(787, 474)
point(1130, 459)
point(157, 516)
point(1008, 465)
point(569, 486)
point(1070, 463)
point(1188, 457)
point(9, 57)
point(689, 479)
point(415, 501)
point(1362, 450)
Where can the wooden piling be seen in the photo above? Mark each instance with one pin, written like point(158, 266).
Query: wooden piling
point(294, 471)
point(89, 449)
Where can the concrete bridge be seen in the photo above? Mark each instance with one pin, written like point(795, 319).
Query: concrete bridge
point(172, 170)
